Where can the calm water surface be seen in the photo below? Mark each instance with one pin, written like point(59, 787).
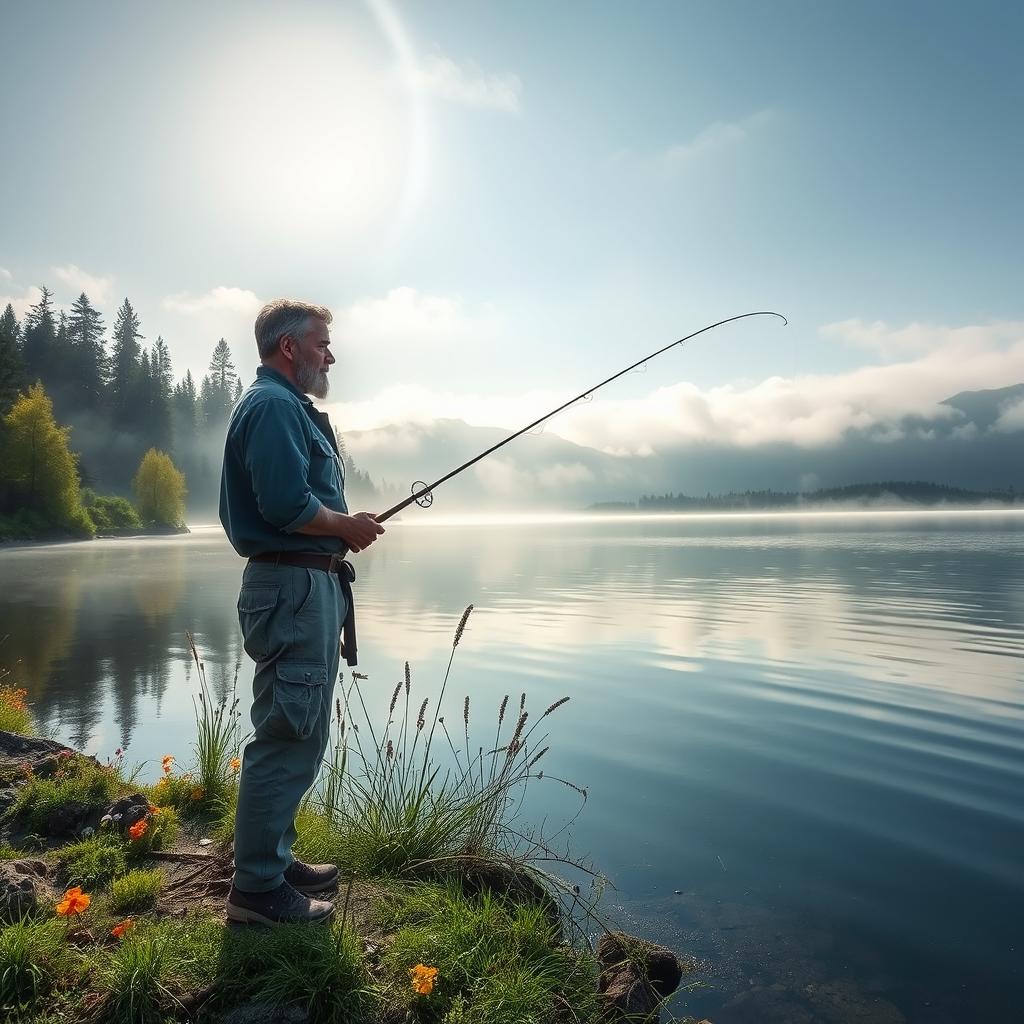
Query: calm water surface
point(802, 736)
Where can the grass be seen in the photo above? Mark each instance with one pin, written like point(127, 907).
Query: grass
point(320, 970)
point(135, 978)
point(497, 964)
point(135, 891)
point(14, 713)
point(414, 798)
point(217, 736)
point(387, 804)
point(94, 862)
point(77, 779)
point(34, 956)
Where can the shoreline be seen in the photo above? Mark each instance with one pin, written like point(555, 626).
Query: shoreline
point(499, 518)
point(9, 544)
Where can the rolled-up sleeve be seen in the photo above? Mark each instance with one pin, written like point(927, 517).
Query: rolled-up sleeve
point(276, 457)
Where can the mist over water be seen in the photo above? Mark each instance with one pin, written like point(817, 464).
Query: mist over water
point(802, 736)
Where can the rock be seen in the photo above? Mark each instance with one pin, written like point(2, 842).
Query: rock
point(32, 750)
point(128, 810)
point(265, 1013)
point(38, 868)
point(636, 976)
point(20, 890)
point(843, 1000)
point(766, 1006)
point(67, 819)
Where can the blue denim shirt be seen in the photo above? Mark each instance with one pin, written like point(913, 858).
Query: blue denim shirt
point(280, 465)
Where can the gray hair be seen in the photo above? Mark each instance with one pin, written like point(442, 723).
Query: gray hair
point(285, 316)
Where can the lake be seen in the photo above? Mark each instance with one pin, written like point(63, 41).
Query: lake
point(802, 736)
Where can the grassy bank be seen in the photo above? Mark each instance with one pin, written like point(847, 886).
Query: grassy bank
point(443, 911)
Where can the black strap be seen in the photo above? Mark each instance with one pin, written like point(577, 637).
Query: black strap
point(346, 573)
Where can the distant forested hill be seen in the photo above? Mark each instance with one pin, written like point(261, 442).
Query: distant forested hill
point(887, 493)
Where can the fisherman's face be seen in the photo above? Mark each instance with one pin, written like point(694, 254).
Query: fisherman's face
point(312, 360)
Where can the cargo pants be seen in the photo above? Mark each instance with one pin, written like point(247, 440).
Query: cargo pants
point(291, 619)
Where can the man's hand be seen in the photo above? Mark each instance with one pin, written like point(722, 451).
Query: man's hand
point(359, 531)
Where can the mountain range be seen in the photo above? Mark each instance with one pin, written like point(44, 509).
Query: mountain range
point(978, 446)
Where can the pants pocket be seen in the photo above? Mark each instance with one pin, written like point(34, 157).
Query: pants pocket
point(256, 604)
point(298, 700)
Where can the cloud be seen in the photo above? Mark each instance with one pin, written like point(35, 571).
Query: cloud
point(21, 303)
point(895, 342)
point(408, 319)
point(414, 405)
point(808, 411)
point(717, 137)
point(469, 84)
point(99, 289)
point(1010, 419)
point(217, 300)
point(198, 321)
point(5, 275)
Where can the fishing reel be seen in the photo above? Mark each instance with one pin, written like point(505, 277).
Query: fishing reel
point(423, 500)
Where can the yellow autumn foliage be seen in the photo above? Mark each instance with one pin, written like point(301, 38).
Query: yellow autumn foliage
point(159, 490)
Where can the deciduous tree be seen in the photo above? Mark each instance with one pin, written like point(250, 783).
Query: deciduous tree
point(160, 490)
point(38, 465)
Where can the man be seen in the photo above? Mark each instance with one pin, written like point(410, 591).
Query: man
point(282, 503)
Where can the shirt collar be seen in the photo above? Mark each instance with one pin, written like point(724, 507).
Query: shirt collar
point(280, 378)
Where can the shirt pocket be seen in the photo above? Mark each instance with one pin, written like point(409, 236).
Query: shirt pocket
point(256, 605)
point(323, 469)
point(298, 700)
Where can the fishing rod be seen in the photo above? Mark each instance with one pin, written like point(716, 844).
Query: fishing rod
point(422, 493)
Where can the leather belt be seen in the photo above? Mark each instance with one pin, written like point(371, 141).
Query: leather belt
point(346, 574)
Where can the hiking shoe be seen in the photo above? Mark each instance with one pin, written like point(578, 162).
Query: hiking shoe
point(310, 878)
point(283, 905)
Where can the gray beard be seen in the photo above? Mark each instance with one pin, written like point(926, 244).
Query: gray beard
point(311, 381)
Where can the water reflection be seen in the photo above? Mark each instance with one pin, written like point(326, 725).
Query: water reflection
point(813, 723)
point(97, 632)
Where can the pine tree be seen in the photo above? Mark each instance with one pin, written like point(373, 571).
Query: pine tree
point(161, 388)
point(217, 392)
point(89, 358)
point(40, 337)
point(12, 367)
point(125, 360)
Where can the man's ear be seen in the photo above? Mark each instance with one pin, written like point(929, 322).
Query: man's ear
point(287, 345)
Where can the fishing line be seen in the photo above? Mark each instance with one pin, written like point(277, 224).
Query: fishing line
point(422, 493)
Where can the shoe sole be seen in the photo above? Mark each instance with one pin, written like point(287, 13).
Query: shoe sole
point(312, 890)
point(243, 915)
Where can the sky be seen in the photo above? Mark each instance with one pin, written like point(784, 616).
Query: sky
point(505, 203)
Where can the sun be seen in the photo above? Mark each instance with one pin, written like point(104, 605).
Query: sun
point(312, 130)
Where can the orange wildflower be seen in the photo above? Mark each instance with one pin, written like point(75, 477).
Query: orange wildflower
point(14, 699)
point(138, 830)
point(422, 979)
point(119, 929)
point(153, 809)
point(197, 793)
point(75, 902)
point(236, 763)
point(168, 763)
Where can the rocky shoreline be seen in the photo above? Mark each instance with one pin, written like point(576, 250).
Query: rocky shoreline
point(634, 977)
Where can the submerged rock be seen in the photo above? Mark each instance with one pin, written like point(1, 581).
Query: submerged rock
point(636, 976)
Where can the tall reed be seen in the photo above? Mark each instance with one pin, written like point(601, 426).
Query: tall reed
point(394, 805)
point(217, 735)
